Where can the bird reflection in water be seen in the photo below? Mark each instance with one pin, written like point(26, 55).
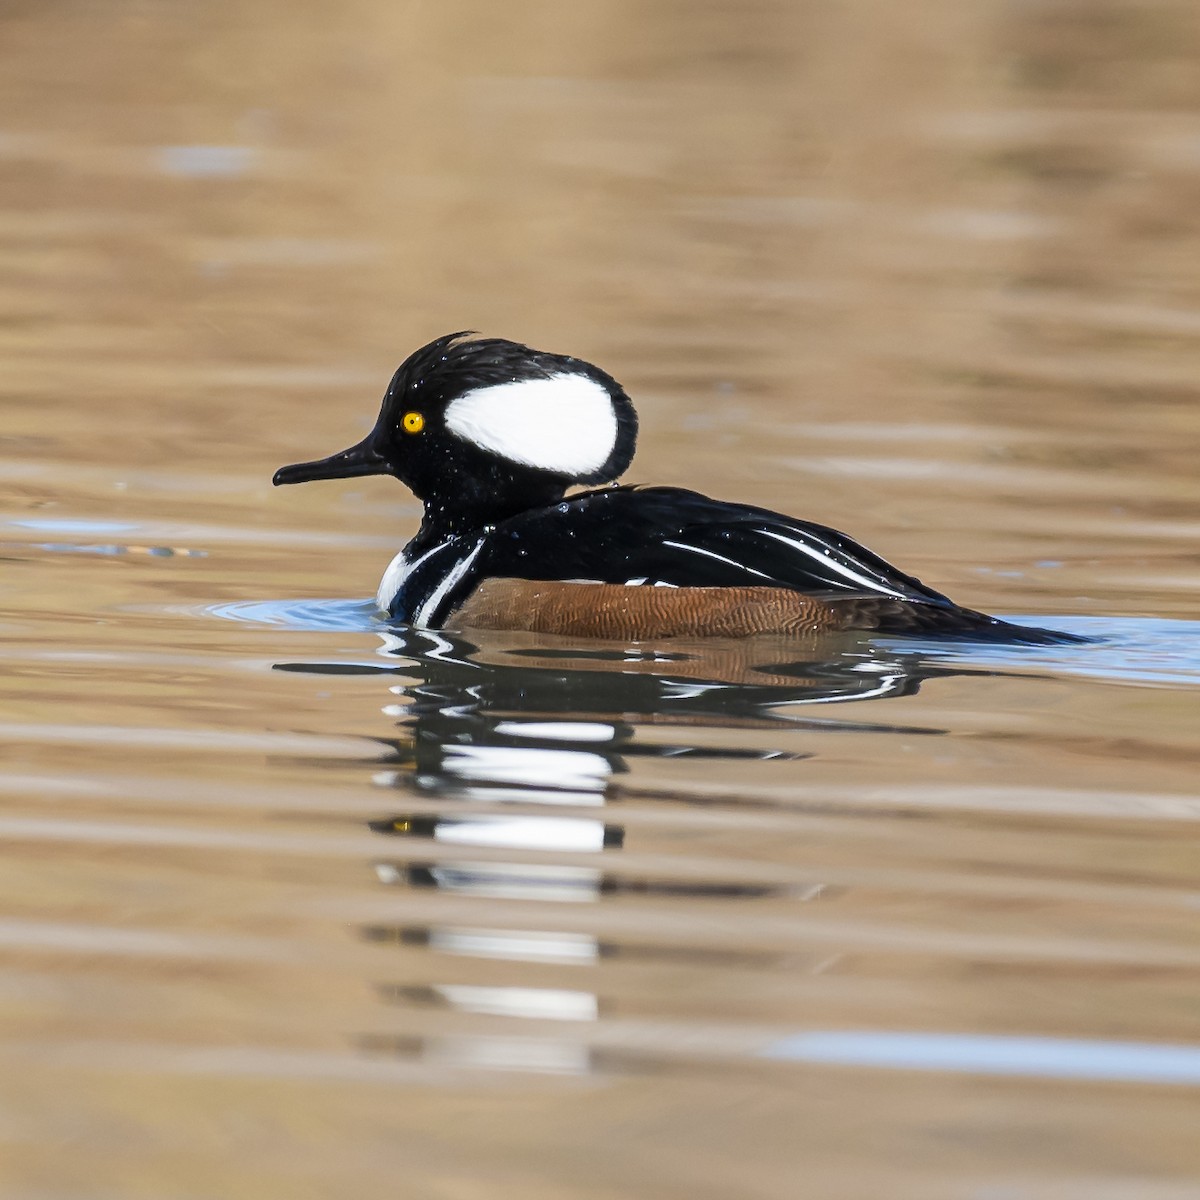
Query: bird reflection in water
point(513, 756)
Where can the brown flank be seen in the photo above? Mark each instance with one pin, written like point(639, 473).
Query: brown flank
point(617, 611)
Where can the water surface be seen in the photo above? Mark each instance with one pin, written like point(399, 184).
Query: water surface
point(295, 903)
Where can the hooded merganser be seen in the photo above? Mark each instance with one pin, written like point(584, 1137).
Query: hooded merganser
point(489, 434)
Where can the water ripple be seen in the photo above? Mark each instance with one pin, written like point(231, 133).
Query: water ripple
point(1132, 650)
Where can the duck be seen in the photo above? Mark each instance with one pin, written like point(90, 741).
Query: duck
point(490, 435)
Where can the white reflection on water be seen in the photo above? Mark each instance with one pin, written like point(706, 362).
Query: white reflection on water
point(572, 770)
point(543, 1004)
point(526, 833)
point(515, 946)
point(565, 731)
point(979, 1054)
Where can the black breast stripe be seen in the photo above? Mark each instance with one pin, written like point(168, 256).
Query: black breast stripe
point(438, 582)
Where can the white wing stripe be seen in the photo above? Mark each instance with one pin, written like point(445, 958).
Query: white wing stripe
point(828, 560)
point(719, 557)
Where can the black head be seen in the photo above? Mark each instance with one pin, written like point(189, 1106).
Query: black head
point(480, 428)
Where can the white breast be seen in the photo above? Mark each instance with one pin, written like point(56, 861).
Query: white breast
point(397, 572)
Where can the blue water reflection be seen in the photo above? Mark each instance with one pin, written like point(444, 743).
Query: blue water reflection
point(975, 1054)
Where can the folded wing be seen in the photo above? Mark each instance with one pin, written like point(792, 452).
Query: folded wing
point(679, 538)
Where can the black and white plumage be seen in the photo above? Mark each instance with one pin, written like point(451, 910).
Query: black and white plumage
point(489, 434)
point(645, 537)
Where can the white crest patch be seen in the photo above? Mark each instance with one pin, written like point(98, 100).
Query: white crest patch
point(564, 424)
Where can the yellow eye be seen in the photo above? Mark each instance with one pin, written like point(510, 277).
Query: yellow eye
point(413, 422)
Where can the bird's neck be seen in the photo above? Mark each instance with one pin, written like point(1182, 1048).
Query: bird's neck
point(449, 516)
